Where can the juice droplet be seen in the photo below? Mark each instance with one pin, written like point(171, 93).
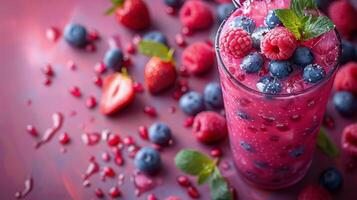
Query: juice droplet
point(92, 168)
point(57, 120)
point(27, 189)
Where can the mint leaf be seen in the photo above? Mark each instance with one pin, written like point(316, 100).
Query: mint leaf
point(151, 48)
point(193, 162)
point(316, 26)
point(204, 176)
point(299, 6)
point(290, 20)
point(326, 145)
point(219, 187)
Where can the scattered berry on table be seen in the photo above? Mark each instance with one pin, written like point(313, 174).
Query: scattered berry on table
point(192, 103)
point(156, 36)
point(280, 69)
point(272, 20)
point(174, 3)
point(346, 78)
point(331, 179)
point(348, 52)
point(343, 15)
point(184, 181)
point(269, 85)
point(258, 35)
point(236, 43)
point(349, 139)
point(212, 95)
point(147, 160)
point(196, 15)
point(345, 103)
point(209, 127)
point(278, 44)
point(244, 23)
point(160, 133)
point(113, 59)
point(303, 56)
point(252, 63)
point(313, 73)
point(314, 192)
point(198, 58)
point(224, 10)
point(75, 35)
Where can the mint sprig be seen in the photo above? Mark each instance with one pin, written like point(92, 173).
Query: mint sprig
point(302, 24)
point(151, 48)
point(205, 169)
point(326, 144)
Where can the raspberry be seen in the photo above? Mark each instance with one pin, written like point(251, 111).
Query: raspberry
point(209, 127)
point(278, 44)
point(346, 78)
point(196, 15)
point(314, 192)
point(198, 58)
point(349, 139)
point(343, 15)
point(236, 43)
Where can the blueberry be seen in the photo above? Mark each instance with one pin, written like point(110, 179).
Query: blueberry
point(160, 133)
point(297, 152)
point(261, 164)
point(147, 160)
point(224, 10)
point(345, 103)
point(331, 179)
point(174, 3)
point(313, 73)
point(348, 52)
point(192, 103)
point(269, 85)
point(212, 95)
point(75, 35)
point(113, 59)
point(246, 146)
point(252, 63)
point(258, 35)
point(280, 69)
point(303, 56)
point(272, 20)
point(323, 4)
point(156, 36)
point(243, 22)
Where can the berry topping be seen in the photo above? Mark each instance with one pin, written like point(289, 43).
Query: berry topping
point(209, 127)
point(224, 10)
point(156, 36)
point(331, 179)
point(258, 35)
point(313, 73)
point(198, 58)
point(212, 95)
point(269, 85)
point(147, 160)
point(346, 78)
point(345, 103)
point(196, 15)
point(314, 192)
point(244, 23)
point(192, 103)
point(114, 59)
point(280, 69)
point(174, 3)
point(349, 139)
point(75, 35)
point(236, 42)
point(343, 15)
point(272, 20)
point(252, 63)
point(160, 133)
point(303, 56)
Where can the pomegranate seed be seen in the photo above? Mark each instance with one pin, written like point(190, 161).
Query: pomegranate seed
point(189, 122)
point(143, 132)
point(99, 193)
point(133, 149)
point(109, 172)
point(105, 156)
point(130, 48)
point(64, 138)
point(91, 102)
point(90, 138)
point(114, 192)
point(138, 87)
point(86, 183)
point(119, 160)
point(47, 81)
point(53, 34)
point(170, 10)
point(90, 48)
point(71, 65)
point(100, 68)
point(129, 140)
point(113, 140)
point(180, 40)
point(47, 70)
point(32, 130)
point(329, 122)
point(151, 111)
point(177, 95)
point(183, 181)
point(216, 152)
point(75, 91)
point(93, 35)
point(98, 81)
point(193, 192)
point(186, 31)
point(152, 197)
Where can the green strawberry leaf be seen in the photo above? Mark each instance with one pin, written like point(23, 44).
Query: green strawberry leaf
point(316, 26)
point(193, 162)
point(299, 6)
point(290, 20)
point(116, 4)
point(110, 10)
point(151, 48)
point(219, 187)
point(326, 144)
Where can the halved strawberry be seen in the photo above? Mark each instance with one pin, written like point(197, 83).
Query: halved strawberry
point(118, 92)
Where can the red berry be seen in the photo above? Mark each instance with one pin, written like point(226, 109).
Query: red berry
point(209, 127)
point(198, 58)
point(113, 140)
point(151, 111)
point(138, 87)
point(279, 44)
point(100, 68)
point(91, 102)
point(189, 122)
point(106, 157)
point(93, 35)
point(193, 192)
point(32, 130)
point(196, 15)
point(47, 70)
point(151, 197)
point(128, 140)
point(216, 152)
point(346, 78)
point(98, 81)
point(109, 172)
point(133, 14)
point(114, 192)
point(53, 34)
point(64, 138)
point(143, 132)
point(349, 139)
point(75, 91)
point(130, 48)
point(314, 192)
point(236, 43)
point(90, 47)
point(159, 75)
point(343, 15)
point(99, 193)
point(183, 181)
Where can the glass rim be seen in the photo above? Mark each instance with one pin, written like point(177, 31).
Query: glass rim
point(239, 84)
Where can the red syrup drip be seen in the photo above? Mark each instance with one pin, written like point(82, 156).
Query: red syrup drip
point(27, 189)
point(57, 121)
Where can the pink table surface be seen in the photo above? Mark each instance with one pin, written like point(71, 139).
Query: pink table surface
point(24, 49)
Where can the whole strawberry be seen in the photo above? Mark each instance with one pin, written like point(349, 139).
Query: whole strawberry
point(133, 14)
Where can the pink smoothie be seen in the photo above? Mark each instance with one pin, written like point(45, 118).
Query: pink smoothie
point(273, 136)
